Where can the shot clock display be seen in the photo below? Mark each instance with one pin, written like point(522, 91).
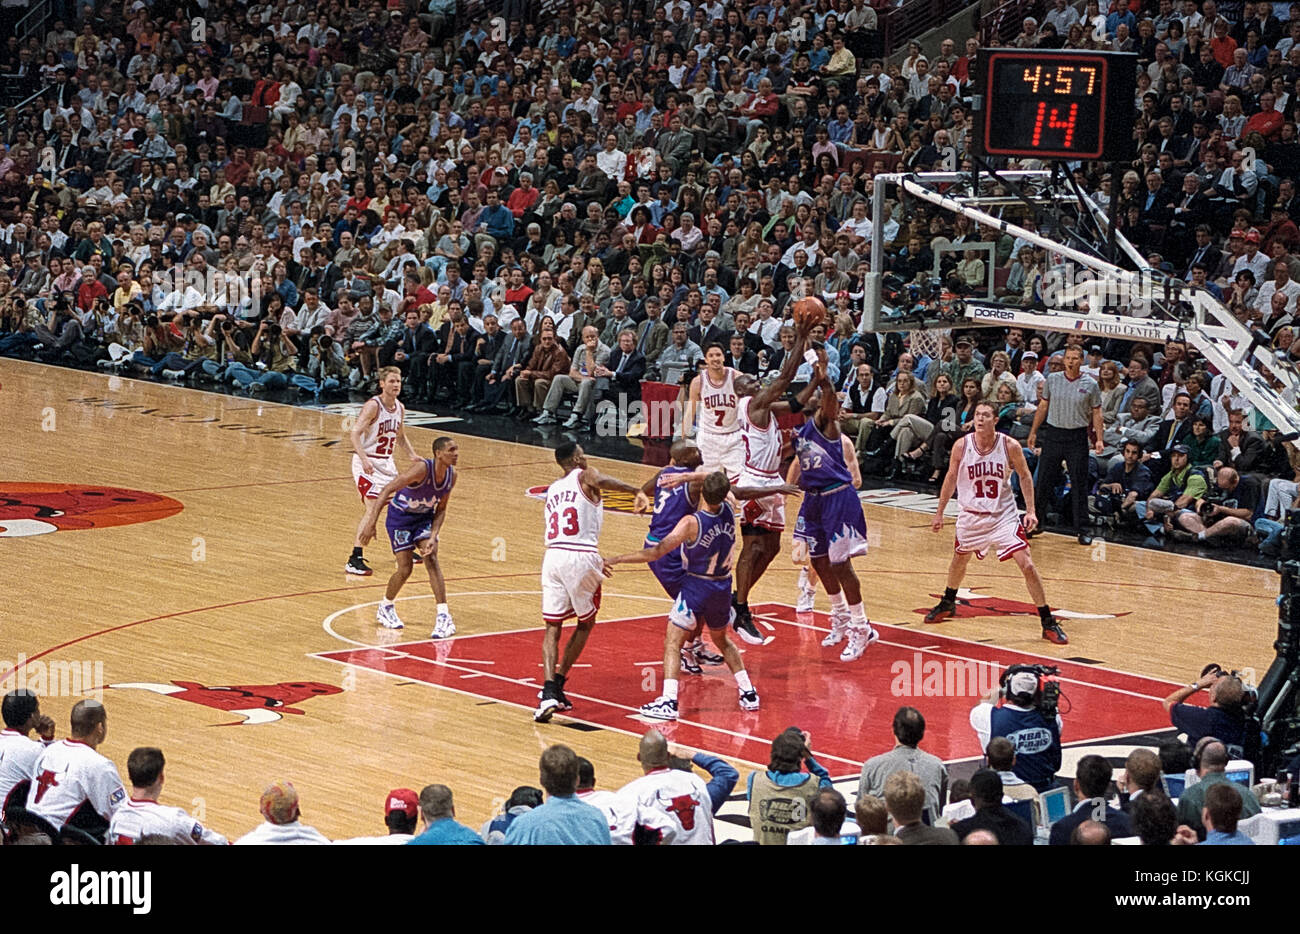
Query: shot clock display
point(1057, 105)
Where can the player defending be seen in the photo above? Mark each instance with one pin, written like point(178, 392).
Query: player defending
point(377, 431)
point(419, 505)
point(706, 539)
point(831, 525)
point(713, 395)
point(980, 473)
point(572, 570)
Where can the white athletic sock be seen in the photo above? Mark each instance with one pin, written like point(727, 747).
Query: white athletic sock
point(805, 580)
point(385, 603)
point(442, 608)
point(670, 688)
point(742, 681)
point(858, 616)
point(839, 606)
point(1200, 536)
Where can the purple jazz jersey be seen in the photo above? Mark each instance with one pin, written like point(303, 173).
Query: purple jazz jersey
point(669, 508)
point(821, 460)
point(410, 515)
point(832, 524)
point(705, 596)
point(407, 528)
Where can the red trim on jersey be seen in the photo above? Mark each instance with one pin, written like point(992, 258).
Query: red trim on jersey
point(726, 378)
point(1011, 551)
point(585, 549)
point(997, 442)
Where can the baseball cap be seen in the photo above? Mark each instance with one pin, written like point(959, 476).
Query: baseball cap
point(964, 340)
point(1252, 236)
point(1237, 234)
point(404, 800)
point(1181, 449)
point(1029, 355)
point(279, 804)
point(1095, 348)
point(1022, 682)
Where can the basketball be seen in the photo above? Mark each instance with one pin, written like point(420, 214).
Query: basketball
point(810, 310)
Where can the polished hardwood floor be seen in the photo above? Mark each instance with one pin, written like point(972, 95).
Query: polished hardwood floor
point(221, 566)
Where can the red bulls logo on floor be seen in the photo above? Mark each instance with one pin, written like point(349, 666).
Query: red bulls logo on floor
point(256, 703)
point(971, 605)
point(41, 508)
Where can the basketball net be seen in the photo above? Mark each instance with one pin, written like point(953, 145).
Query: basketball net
point(926, 342)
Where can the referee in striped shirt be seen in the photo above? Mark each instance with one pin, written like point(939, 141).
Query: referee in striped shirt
point(1070, 403)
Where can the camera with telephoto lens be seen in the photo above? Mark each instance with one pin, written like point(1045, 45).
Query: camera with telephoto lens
point(1047, 694)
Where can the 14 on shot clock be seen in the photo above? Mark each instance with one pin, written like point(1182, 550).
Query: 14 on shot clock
point(1064, 105)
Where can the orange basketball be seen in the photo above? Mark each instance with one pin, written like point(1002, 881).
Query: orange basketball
point(811, 310)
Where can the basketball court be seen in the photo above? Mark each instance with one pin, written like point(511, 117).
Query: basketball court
point(183, 551)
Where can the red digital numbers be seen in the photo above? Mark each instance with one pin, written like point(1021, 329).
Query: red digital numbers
point(1051, 117)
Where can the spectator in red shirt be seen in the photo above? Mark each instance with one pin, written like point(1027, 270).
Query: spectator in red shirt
point(90, 289)
point(525, 196)
point(517, 292)
point(237, 169)
point(1268, 122)
point(760, 109)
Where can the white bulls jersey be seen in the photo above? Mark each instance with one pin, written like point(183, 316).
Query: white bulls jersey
point(573, 518)
point(68, 776)
point(18, 755)
point(136, 819)
point(718, 404)
point(984, 478)
point(762, 445)
point(381, 435)
point(675, 803)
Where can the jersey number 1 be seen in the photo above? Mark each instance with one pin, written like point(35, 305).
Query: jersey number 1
point(570, 524)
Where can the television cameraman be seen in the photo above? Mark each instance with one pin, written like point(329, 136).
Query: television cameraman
point(1224, 718)
point(1028, 718)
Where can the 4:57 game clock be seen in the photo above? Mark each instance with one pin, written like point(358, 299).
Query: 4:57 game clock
point(1057, 105)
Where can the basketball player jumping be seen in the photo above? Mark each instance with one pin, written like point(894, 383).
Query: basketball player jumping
point(705, 539)
point(377, 431)
point(831, 525)
point(980, 474)
point(572, 570)
point(419, 505)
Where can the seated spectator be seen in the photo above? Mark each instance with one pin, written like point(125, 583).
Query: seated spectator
point(281, 820)
point(583, 379)
point(1142, 775)
point(401, 815)
point(141, 815)
point(990, 814)
point(21, 711)
point(549, 359)
point(672, 807)
point(89, 790)
point(826, 812)
point(873, 822)
point(1222, 811)
point(1091, 785)
point(909, 730)
point(440, 827)
point(905, 799)
point(1001, 756)
point(564, 819)
point(1210, 758)
point(1154, 820)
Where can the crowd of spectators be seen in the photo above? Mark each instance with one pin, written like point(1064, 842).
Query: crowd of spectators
point(67, 792)
point(577, 198)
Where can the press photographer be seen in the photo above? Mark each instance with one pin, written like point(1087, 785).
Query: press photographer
point(1223, 719)
point(1028, 718)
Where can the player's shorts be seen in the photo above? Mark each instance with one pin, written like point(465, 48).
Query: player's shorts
point(978, 533)
point(370, 485)
point(407, 528)
point(722, 451)
point(703, 600)
point(760, 516)
point(667, 570)
point(832, 524)
point(571, 585)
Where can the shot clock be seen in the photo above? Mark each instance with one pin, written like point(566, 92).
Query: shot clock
point(1057, 105)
